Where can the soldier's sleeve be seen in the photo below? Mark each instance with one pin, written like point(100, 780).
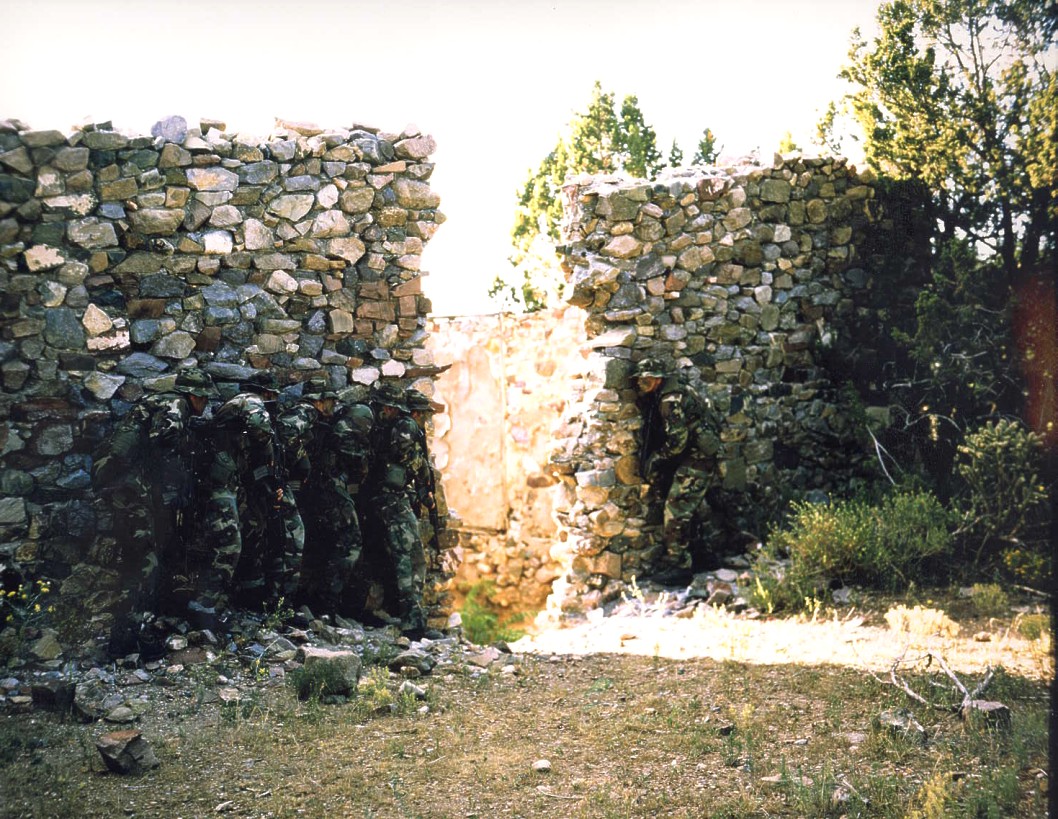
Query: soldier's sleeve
point(168, 422)
point(404, 445)
point(676, 427)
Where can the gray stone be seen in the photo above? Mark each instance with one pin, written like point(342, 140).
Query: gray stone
point(346, 664)
point(171, 129)
point(292, 206)
point(220, 295)
point(63, 329)
point(103, 385)
point(91, 233)
point(258, 173)
point(176, 345)
point(212, 179)
point(141, 365)
point(55, 439)
point(13, 511)
point(126, 753)
point(157, 221)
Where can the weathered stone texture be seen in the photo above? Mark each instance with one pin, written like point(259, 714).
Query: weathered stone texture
point(747, 279)
point(125, 258)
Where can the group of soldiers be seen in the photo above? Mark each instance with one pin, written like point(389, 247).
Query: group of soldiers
point(241, 503)
point(678, 456)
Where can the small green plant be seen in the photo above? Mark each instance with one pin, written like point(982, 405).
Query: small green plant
point(989, 599)
point(26, 607)
point(481, 623)
point(1033, 626)
point(22, 612)
point(277, 615)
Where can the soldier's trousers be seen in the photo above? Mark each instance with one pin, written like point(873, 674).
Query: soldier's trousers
point(224, 542)
point(333, 543)
point(273, 538)
point(400, 533)
point(684, 501)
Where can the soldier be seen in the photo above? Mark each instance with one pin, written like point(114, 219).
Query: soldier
point(273, 532)
point(333, 541)
point(681, 437)
point(397, 460)
point(145, 473)
point(245, 494)
point(425, 483)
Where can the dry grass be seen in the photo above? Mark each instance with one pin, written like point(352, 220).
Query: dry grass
point(627, 736)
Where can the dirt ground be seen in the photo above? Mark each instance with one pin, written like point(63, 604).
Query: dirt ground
point(704, 714)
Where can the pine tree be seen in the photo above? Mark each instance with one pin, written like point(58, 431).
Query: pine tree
point(602, 139)
point(707, 151)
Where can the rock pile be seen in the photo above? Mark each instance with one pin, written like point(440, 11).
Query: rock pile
point(748, 279)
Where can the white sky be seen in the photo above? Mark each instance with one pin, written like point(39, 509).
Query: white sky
point(494, 82)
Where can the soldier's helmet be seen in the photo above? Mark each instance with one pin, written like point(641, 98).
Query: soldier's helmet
point(318, 389)
point(194, 381)
point(359, 416)
point(417, 402)
point(261, 382)
point(388, 395)
point(653, 367)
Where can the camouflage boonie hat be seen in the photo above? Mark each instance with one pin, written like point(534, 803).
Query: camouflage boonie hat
point(389, 395)
point(653, 367)
point(418, 402)
point(194, 382)
point(261, 381)
point(318, 389)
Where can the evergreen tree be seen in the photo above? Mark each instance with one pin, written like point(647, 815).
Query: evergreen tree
point(675, 155)
point(602, 139)
point(707, 150)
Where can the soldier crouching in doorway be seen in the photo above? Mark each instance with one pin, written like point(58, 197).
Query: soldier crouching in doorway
point(680, 442)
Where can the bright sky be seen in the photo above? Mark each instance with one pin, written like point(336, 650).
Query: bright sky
point(494, 81)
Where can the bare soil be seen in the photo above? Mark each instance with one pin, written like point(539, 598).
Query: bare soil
point(708, 714)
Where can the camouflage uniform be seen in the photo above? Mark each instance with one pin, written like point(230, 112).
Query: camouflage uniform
point(681, 437)
point(253, 530)
point(398, 459)
point(145, 473)
point(426, 485)
point(333, 539)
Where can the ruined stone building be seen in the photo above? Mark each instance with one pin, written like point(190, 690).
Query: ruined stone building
point(126, 258)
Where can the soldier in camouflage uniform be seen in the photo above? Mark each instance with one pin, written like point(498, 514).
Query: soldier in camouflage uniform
point(273, 533)
point(398, 459)
point(333, 540)
point(145, 473)
point(245, 496)
point(425, 483)
point(681, 438)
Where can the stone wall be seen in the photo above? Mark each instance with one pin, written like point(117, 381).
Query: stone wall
point(748, 279)
point(506, 385)
point(125, 258)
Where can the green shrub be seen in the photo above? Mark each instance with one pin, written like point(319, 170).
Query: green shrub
point(989, 599)
point(887, 545)
point(1003, 508)
point(481, 623)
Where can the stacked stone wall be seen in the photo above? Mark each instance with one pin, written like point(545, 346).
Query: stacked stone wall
point(506, 384)
point(746, 279)
point(126, 258)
